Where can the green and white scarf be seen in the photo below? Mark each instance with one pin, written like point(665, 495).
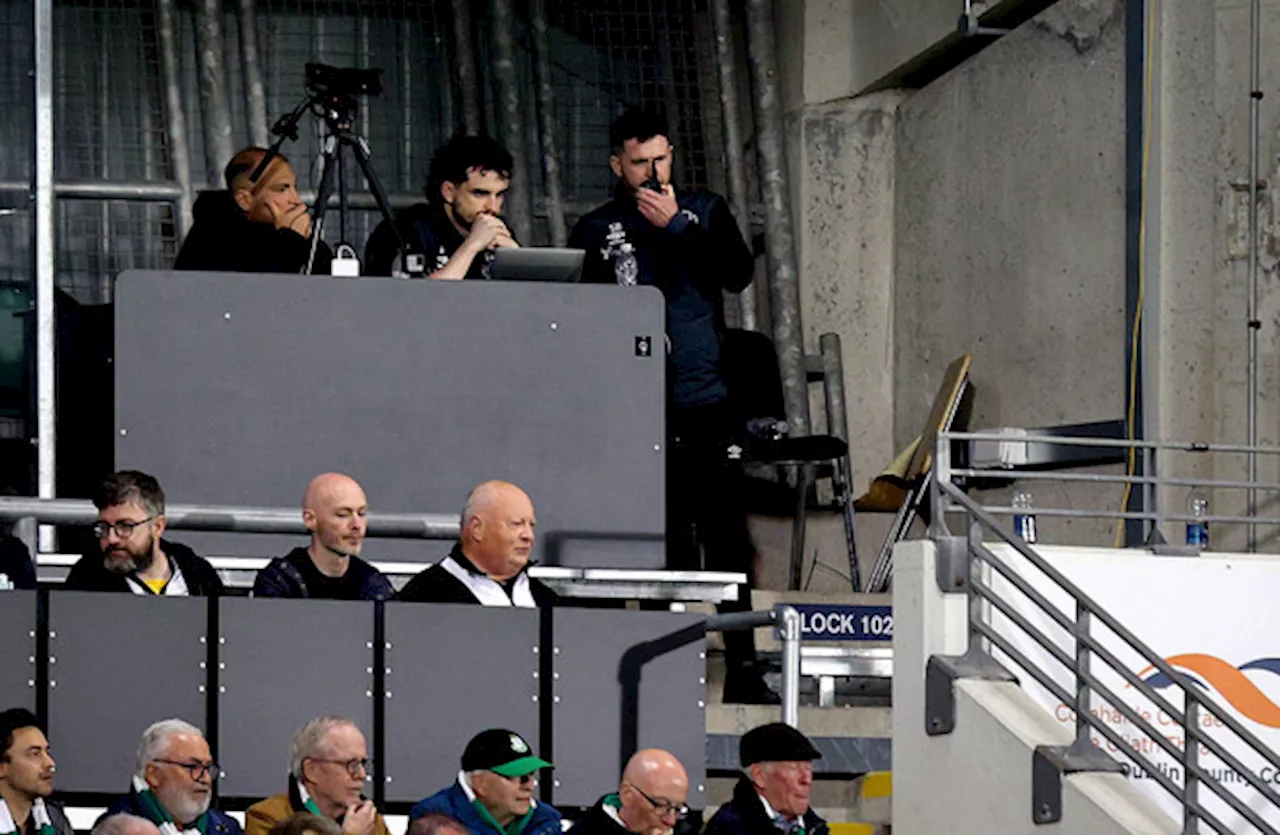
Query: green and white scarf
point(8, 826)
point(157, 814)
point(310, 804)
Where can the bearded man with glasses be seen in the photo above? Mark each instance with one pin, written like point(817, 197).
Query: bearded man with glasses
point(132, 555)
point(328, 765)
point(173, 783)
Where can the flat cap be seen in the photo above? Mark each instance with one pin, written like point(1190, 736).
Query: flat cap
point(775, 742)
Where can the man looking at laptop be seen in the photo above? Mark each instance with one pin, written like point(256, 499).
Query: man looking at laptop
point(460, 226)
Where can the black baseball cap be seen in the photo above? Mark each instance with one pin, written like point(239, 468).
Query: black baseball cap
point(775, 742)
point(502, 752)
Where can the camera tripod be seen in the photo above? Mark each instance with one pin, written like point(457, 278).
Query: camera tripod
point(336, 112)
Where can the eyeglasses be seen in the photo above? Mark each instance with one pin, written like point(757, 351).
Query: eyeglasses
point(663, 807)
point(354, 767)
point(123, 529)
point(198, 771)
point(522, 778)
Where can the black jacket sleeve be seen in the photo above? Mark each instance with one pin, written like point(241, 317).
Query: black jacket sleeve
point(272, 581)
point(724, 262)
point(15, 562)
point(586, 235)
point(381, 251)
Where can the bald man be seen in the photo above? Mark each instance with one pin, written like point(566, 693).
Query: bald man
point(489, 564)
point(260, 226)
point(650, 799)
point(334, 510)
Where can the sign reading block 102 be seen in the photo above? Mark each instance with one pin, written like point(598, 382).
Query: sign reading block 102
point(843, 622)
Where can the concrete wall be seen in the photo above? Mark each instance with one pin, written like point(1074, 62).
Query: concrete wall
point(977, 779)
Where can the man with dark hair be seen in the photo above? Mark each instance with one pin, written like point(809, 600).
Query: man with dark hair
point(132, 554)
point(685, 243)
point(26, 778)
point(460, 225)
point(253, 227)
point(334, 510)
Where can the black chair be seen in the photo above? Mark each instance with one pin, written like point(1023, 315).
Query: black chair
point(749, 365)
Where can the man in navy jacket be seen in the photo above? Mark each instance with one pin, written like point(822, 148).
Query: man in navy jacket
point(493, 794)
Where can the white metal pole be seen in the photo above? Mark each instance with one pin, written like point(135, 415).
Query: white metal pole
point(46, 429)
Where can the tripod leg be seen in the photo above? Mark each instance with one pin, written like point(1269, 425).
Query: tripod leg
point(322, 198)
point(361, 150)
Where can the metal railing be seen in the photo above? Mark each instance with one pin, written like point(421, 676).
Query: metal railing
point(982, 565)
point(1149, 456)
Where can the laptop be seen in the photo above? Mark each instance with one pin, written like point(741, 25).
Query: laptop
point(537, 263)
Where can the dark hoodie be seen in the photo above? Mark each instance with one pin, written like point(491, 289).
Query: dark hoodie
point(223, 239)
point(91, 574)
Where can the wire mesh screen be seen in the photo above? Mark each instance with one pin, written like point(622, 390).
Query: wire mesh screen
point(113, 128)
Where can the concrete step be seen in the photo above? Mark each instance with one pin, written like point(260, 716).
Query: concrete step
point(853, 740)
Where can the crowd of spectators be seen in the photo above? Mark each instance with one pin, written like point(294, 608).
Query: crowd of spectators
point(172, 788)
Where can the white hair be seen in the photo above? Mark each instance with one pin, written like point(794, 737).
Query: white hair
point(155, 740)
point(308, 741)
point(123, 823)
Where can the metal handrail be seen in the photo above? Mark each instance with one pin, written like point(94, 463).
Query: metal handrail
point(786, 621)
point(1087, 650)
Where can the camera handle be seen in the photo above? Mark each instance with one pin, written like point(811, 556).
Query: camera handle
point(286, 127)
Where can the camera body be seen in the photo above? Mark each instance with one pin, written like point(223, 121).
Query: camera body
point(325, 80)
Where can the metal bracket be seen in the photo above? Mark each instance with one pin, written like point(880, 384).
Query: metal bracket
point(940, 677)
point(952, 566)
point(1048, 765)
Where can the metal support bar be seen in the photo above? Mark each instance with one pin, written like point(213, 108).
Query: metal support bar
point(46, 414)
point(547, 124)
point(255, 90)
point(784, 284)
point(789, 632)
point(215, 109)
point(231, 518)
point(507, 81)
point(1049, 763)
point(1253, 324)
point(726, 66)
point(465, 65)
point(940, 676)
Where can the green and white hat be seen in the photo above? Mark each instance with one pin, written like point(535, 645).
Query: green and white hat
point(502, 752)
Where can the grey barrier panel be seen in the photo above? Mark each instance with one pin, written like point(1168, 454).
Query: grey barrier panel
point(453, 671)
point(237, 389)
point(117, 663)
point(281, 663)
point(17, 649)
point(597, 722)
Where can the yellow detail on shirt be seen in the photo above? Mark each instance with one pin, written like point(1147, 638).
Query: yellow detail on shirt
point(156, 586)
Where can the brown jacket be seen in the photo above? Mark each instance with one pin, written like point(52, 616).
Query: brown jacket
point(261, 816)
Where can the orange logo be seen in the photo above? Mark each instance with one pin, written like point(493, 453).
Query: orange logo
point(1241, 693)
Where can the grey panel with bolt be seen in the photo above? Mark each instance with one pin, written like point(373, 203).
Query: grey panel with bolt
point(18, 649)
point(106, 687)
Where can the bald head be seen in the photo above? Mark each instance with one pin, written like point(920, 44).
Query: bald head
point(274, 197)
point(334, 510)
point(654, 788)
point(497, 529)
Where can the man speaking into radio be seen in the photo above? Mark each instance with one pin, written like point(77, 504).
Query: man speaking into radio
point(685, 243)
point(460, 226)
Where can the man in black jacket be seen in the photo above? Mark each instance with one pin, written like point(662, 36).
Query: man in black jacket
point(17, 571)
point(334, 510)
point(457, 230)
point(26, 778)
point(772, 797)
point(650, 799)
point(686, 244)
point(253, 227)
point(132, 555)
point(489, 564)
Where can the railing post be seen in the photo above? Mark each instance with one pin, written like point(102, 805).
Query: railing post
point(1190, 785)
point(976, 607)
point(789, 632)
point(1081, 634)
point(941, 476)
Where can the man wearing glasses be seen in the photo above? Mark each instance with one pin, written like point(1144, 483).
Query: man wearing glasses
point(173, 783)
point(649, 801)
point(328, 763)
point(493, 794)
point(132, 556)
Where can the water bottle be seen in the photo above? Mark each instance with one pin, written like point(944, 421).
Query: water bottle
point(1024, 521)
point(626, 269)
point(1198, 527)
